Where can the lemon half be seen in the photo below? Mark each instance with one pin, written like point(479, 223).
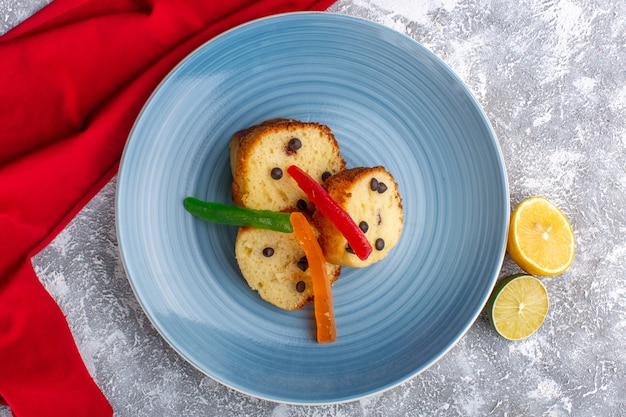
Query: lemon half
point(541, 239)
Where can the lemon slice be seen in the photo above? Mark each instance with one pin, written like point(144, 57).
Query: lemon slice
point(541, 240)
point(518, 306)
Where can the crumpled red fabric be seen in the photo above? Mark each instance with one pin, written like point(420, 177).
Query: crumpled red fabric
point(73, 78)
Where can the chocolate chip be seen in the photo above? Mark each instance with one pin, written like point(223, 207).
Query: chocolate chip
point(300, 286)
point(293, 145)
point(349, 249)
point(375, 185)
point(326, 175)
point(301, 204)
point(276, 173)
point(364, 226)
point(303, 263)
point(379, 244)
point(267, 252)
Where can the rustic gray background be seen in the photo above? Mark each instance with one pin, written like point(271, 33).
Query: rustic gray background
point(551, 76)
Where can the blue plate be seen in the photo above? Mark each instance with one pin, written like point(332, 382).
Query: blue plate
point(389, 102)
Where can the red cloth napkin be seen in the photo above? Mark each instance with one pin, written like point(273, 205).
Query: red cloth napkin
point(73, 78)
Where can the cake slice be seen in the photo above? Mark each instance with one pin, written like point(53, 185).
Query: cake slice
point(261, 154)
point(274, 265)
point(371, 198)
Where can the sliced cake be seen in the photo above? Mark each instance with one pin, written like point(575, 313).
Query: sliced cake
point(274, 265)
point(261, 154)
point(371, 198)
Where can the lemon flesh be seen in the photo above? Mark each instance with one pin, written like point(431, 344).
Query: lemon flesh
point(518, 306)
point(541, 239)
